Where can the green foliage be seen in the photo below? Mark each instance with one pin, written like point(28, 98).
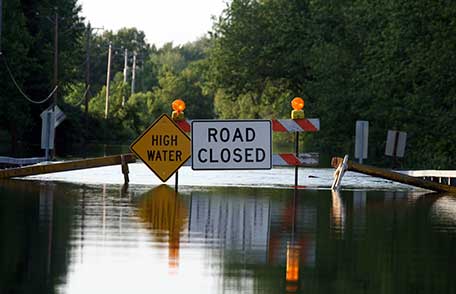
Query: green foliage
point(382, 61)
point(185, 85)
point(138, 111)
point(28, 42)
point(256, 47)
point(14, 110)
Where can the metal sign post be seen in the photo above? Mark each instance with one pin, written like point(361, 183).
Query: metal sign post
point(47, 132)
point(51, 118)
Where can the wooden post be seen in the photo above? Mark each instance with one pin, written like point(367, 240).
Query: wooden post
point(56, 56)
point(339, 174)
point(297, 155)
point(108, 80)
point(87, 82)
point(133, 74)
point(396, 141)
point(1, 20)
point(393, 176)
point(125, 169)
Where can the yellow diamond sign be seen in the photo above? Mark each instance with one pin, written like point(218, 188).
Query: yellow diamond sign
point(163, 147)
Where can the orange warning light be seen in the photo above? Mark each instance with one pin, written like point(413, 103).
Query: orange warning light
point(297, 103)
point(178, 105)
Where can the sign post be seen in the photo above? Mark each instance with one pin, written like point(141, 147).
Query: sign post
point(163, 147)
point(395, 145)
point(51, 118)
point(231, 144)
point(47, 132)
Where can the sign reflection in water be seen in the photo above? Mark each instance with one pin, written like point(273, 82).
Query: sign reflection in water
point(258, 231)
point(165, 213)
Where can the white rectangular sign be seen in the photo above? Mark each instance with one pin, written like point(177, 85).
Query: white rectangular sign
point(231, 144)
point(395, 143)
point(361, 139)
point(47, 130)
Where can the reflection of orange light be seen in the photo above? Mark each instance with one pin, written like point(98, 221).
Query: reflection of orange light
point(163, 210)
point(292, 263)
point(297, 103)
point(291, 288)
point(178, 105)
point(173, 257)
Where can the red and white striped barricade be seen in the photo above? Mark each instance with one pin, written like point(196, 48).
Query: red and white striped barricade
point(281, 126)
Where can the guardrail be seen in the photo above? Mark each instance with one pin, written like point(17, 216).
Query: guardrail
point(342, 164)
point(21, 161)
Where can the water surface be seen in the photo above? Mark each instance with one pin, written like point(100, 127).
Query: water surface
point(74, 238)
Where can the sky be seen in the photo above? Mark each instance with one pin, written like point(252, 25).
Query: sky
point(177, 21)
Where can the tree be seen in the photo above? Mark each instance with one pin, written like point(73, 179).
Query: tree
point(14, 113)
point(29, 51)
point(131, 39)
point(381, 61)
point(259, 44)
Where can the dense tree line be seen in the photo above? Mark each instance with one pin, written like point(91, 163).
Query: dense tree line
point(388, 62)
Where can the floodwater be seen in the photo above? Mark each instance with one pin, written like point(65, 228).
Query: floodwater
point(235, 232)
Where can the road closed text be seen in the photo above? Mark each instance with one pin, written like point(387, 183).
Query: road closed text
point(236, 155)
point(231, 144)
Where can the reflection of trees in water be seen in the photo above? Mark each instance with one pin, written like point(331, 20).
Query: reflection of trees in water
point(389, 246)
point(166, 215)
point(35, 223)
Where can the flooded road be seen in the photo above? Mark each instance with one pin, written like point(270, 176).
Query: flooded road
point(278, 177)
point(79, 238)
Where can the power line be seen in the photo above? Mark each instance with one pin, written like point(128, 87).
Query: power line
point(82, 98)
point(19, 88)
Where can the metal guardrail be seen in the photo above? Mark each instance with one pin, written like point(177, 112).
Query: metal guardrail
point(21, 161)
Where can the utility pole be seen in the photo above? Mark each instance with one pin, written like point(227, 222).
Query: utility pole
point(125, 70)
point(1, 21)
point(133, 74)
point(108, 77)
point(56, 72)
point(56, 56)
point(87, 81)
point(87, 74)
point(125, 73)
